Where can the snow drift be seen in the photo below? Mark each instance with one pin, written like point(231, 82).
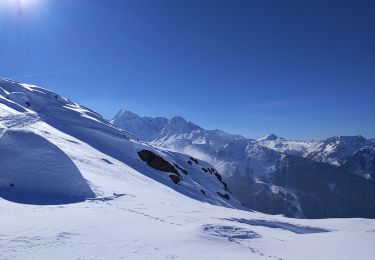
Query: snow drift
point(33, 170)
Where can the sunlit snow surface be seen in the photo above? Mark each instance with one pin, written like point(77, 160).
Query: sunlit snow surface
point(135, 215)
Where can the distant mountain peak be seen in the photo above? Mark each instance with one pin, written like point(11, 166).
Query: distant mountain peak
point(179, 125)
point(145, 128)
point(178, 119)
point(346, 138)
point(124, 113)
point(269, 137)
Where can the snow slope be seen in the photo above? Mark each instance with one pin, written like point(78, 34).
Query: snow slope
point(137, 212)
point(36, 171)
point(152, 221)
point(47, 112)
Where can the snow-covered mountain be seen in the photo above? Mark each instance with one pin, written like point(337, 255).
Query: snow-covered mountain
point(179, 134)
point(147, 128)
point(291, 147)
point(362, 162)
point(33, 118)
point(72, 186)
point(278, 183)
point(335, 150)
point(176, 133)
point(253, 168)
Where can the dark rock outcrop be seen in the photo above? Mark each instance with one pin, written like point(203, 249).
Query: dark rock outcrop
point(218, 176)
point(184, 171)
point(157, 162)
point(194, 159)
point(224, 196)
point(175, 178)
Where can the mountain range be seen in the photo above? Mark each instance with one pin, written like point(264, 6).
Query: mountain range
point(306, 179)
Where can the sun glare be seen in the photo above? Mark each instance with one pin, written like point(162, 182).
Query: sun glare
point(22, 4)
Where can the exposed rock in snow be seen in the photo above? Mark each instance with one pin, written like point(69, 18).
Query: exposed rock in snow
point(157, 162)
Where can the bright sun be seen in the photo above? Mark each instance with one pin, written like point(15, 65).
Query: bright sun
point(22, 3)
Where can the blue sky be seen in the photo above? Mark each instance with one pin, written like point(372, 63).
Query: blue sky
point(300, 69)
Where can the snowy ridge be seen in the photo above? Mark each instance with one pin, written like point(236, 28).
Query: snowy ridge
point(33, 110)
point(180, 134)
